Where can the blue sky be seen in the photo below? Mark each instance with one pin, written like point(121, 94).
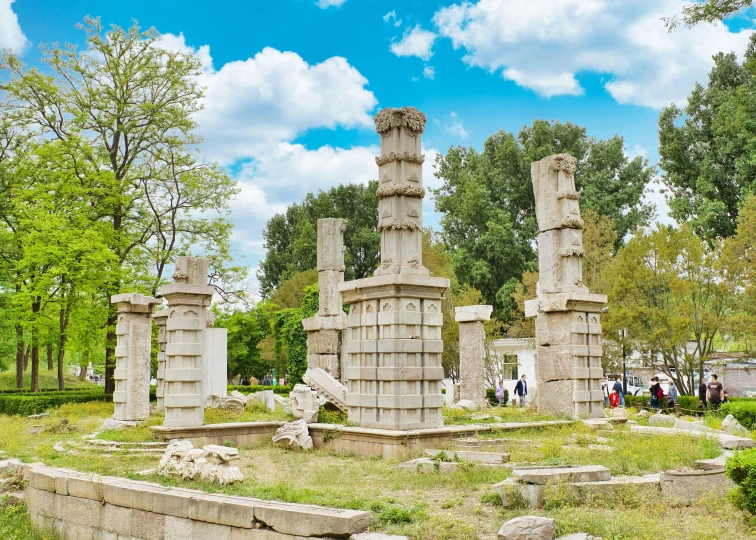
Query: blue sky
point(293, 84)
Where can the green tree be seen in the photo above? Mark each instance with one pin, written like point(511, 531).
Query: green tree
point(123, 112)
point(488, 204)
point(291, 238)
point(290, 336)
point(706, 148)
point(246, 330)
point(708, 11)
point(667, 292)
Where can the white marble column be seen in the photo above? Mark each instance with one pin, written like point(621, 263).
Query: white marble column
point(472, 351)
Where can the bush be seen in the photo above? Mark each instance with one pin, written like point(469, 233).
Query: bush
point(491, 396)
point(741, 469)
point(27, 403)
point(743, 411)
point(280, 389)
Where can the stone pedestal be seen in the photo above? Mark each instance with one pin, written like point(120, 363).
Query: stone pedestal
point(324, 330)
point(132, 372)
point(568, 317)
point(216, 362)
point(160, 319)
point(392, 357)
point(188, 303)
point(472, 351)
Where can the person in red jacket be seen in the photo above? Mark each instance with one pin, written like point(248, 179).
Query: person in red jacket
point(614, 399)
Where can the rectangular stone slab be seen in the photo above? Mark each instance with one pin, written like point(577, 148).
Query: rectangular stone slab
point(550, 475)
point(492, 458)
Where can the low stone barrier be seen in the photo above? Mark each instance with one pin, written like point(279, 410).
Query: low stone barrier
point(76, 506)
point(690, 486)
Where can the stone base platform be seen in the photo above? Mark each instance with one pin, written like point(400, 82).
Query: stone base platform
point(240, 433)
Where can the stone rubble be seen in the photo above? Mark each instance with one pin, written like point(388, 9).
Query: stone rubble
point(294, 435)
point(210, 463)
point(731, 425)
point(528, 528)
point(327, 387)
point(305, 403)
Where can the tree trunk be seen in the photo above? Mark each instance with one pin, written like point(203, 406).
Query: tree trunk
point(49, 357)
point(20, 346)
point(36, 304)
point(62, 343)
point(83, 374)
point(27, 350)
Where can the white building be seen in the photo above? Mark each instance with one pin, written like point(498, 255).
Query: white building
point(511, 359)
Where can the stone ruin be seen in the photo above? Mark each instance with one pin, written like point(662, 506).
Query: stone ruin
point(210, 463)
point(472, 352)
point(568, 317)
point(392, 343)
point(192, 359)
point(324, 329)
point(294, 435)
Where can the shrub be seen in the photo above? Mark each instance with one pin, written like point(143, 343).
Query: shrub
point(280, 389)
point(741, 469)
point(743, 411)
point(491, 395)
point(34, 403)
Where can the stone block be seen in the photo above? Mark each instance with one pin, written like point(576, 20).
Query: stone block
point(311, 520)
point(331, 244)
point(661, 420)
point(688, 487)
point(85, 487)
point(80, 511)
point(206, 531)
point(178, 528)
point(116, 519)
point(191, 270)
point(528, 528)
point(215, 362)
point(329, 297)
point(472, 313)
point(547, 475)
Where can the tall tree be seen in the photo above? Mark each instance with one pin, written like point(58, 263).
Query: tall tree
point(123, 110)
point(488, 204)
point(707, 148)
point(667, 292)
point(706, 11)
point(291, 238)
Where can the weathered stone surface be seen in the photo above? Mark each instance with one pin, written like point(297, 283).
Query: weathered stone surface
point(209, 463)
point(327, 387)
point(725, 440)
point(493, 458)
point(731, 425)
point(133, 349)
point(714, 464)
point(691, 486)
point(191, 270)
point(305, 403)
point(528, 528)
point(294, 435)
point(643, 414)
point(472, 353)
point(546, 475)
point(215, 362)
point(477, 313)
point(661, 420)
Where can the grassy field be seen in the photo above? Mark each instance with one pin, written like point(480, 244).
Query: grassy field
point(47, 380)
point(439, 506)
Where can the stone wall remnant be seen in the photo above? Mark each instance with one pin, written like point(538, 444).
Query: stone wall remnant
point(160, 319)
point(392, 357)
point(568, 317)
point(472, 351)
point(133, 350)
point(324, 329)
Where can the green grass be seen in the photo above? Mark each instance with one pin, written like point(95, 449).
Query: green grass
point(47, 380)
point(437, 506)
point(505, 414)
point(16, 525)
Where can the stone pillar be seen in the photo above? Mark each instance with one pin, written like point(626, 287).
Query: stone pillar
point(324, 330)
point(568, 317)
point(161, 318)
point(188, 299)
point(393, 336)
point(472, 351)
point(216, 362)
point(132, 372)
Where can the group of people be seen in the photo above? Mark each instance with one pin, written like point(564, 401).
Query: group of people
point(614, 397)
point(520, 390)
point(710, 392)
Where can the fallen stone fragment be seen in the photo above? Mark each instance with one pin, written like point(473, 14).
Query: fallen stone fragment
point(731, 425)
point(528, 528)
point(294, 435)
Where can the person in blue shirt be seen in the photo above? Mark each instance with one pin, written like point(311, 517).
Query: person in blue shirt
point(618, 388)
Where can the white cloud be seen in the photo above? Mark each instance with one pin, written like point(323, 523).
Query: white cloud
point(456, 127)
point(11, 35)
point(543, 44)
point(415, 42)
point(325, 4)
point(252, 105)
point(391, 16)
point(429, 72)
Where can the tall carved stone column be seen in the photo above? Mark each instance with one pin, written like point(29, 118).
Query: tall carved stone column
point(132, 373)
point(324, 330)
point(568, 317)
point(161, 318)
point(472, 351)
point(188, 299)
point(393, 336)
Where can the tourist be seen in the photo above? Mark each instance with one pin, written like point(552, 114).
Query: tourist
point(725, 398)
point(245, 381)
point(614, 399)
point(656, 393)
point(673, 395)
point(500, 393)
point(605, 389)
point(521, 390)
point(714, 393)
point(618, 388)
point(702, 394)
